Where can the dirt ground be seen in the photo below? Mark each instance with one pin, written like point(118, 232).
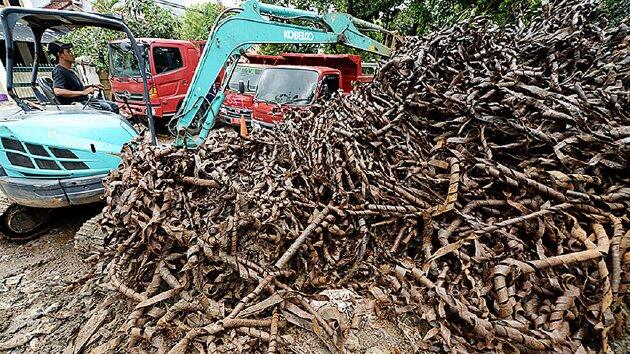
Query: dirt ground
point(42, 289)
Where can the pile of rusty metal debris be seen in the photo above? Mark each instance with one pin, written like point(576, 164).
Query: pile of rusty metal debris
point(479, 185)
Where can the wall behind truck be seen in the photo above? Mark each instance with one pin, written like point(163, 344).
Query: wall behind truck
point(22, 56)
point(23, 59)
point(4, 97)
point(22, 71)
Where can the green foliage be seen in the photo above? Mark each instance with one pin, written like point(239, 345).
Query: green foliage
point(617, 10)
point(197, 21)
point(144, 17)
point(92, 42)
point(104, 6)
point(383, 11)
point(422, 16)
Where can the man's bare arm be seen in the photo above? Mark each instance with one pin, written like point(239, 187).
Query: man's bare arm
point(61, 92)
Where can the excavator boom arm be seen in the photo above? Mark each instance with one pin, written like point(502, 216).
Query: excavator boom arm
point(234, 35)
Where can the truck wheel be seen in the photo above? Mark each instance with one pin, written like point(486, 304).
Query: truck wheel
point(90, 239)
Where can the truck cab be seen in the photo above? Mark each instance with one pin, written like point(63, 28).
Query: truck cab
point(170, 67)
point(239, 104)
point(285, 87)
point(299, 80)
point(334, 71)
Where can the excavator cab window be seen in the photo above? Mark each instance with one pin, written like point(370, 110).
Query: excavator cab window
point(330, 85)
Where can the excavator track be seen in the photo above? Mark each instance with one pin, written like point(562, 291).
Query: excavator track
point(90, 239)
point(20, 223)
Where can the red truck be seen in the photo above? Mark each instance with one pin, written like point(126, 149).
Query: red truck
point(239, 104)
point(289, 80)
point(170, 65)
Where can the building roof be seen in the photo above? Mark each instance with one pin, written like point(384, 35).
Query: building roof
point(22, 33)
point(62, 5)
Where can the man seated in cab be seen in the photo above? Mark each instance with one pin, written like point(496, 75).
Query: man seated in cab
point(66, 83)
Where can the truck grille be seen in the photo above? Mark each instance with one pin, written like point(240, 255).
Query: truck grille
point(235, 113)
point(40, 157)
point(139, 97)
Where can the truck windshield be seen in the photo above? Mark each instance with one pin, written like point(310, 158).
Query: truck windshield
point(123, 62)
point(284, 85)
point(249, 75)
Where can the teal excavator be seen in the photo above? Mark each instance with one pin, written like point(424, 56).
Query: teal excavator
point(238, 29)
point(235, 31)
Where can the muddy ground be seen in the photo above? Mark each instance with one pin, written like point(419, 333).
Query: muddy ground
point(42, 289)
point(47, 292)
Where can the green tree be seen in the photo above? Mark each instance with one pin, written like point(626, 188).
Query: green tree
point(617, 10)
point(105, 6)
point(92, 43)
point(374, 11)
point(144, 17)
point(197, 21)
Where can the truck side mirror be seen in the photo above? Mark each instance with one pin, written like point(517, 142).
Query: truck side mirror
point(241, 87)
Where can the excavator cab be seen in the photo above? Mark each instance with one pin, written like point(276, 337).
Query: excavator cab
point(53, 155)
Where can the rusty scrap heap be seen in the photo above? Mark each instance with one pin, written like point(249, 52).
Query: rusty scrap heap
point(478, 185)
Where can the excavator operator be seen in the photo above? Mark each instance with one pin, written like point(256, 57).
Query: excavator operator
point(67, 86)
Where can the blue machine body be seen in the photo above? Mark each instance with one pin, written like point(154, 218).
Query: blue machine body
point(48, 159)
point(58, 155)
point(92, 141)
